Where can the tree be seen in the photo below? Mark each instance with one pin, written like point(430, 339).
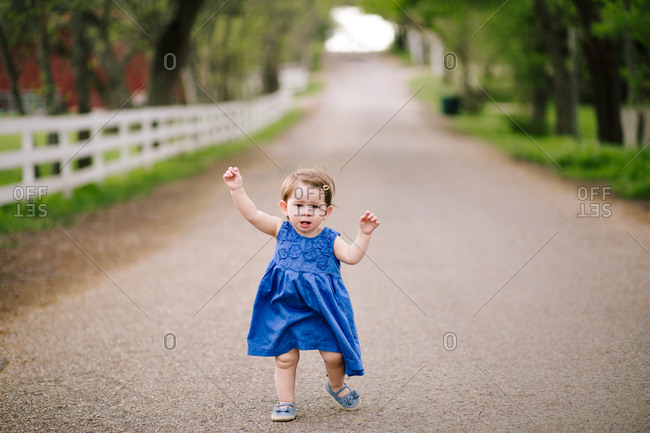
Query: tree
point(628, 21)
point(171, 52)
point(458, 23)
point(15, 31)
point(12, 70)
point(603, 62)
point(113, 89)
point(239, 55)
point(236, 38)
point(554, 38)
point(277, 25)
point(80, 57)
point(41, 41)
point(525, 62)
point(607, 28)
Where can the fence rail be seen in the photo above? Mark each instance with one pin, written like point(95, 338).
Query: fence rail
point(120, 141)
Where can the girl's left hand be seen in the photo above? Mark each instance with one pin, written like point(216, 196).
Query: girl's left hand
point(368, 222)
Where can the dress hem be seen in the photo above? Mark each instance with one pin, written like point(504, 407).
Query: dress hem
point(254, 350)
point(302, 345)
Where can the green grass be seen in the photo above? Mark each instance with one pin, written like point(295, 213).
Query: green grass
point(625, 170)
point(13, 141)
point(138, 183)
point(313, 87)
point(9, 142)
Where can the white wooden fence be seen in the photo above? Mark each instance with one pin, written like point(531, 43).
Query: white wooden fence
point(123, 140)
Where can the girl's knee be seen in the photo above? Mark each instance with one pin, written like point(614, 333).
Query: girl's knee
point(332, 358)
point(289, 359)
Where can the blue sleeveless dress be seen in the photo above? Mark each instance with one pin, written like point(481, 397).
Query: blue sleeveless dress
point(302, 303)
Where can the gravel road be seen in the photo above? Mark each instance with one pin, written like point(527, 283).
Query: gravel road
point(485, 303)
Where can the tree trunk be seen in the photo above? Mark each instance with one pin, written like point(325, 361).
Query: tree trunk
point(224, 62)
point(539, 101)
point(171, 53)
point(14, 75)
point(80, 53)
point(47, 82)
point(279, 20)
point(79, 57)
point(603, 63)
point(470, 101)
point(632, 84)
point(43, 57)
point(114, 92)
point(555, 42)
point(540, 83)
point(400, 37)
point(270, 81)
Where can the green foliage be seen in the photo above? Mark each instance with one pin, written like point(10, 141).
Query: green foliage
point(230, 40)
point(628, 22)
point(507, 48)
point(625, 169)
point(525, 123)
point(621, 16)
point(289, 32)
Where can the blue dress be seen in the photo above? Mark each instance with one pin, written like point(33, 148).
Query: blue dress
point(302, 303)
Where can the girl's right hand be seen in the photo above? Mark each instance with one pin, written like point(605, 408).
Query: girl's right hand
point(233, 178)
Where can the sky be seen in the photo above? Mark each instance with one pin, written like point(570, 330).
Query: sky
point(359, 32)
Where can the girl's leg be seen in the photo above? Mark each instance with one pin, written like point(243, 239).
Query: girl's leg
point(335, 366)
point(285, 375)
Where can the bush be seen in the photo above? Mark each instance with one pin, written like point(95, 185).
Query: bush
point(626, 170)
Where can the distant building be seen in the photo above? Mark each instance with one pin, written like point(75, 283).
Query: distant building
point(62, 74)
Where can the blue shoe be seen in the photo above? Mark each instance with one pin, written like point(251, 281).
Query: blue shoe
point(284, 412)
point(349, 402)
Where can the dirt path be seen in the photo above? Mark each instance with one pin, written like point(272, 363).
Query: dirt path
point(485, 303)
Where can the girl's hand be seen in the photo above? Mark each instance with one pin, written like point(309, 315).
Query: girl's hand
point(368, 222)
point(233, 178)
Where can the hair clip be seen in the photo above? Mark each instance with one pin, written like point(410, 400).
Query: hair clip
point(326, 188)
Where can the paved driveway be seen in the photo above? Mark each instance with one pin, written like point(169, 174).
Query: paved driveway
point(485, 303)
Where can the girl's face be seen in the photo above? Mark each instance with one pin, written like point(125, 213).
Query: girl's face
point(306, 209)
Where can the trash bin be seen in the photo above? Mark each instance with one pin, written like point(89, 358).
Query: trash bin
point(450, 105)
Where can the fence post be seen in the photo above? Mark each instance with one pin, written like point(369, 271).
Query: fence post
point(65, 170)
point(147, 141)
point(98, 165)
point(27, 144)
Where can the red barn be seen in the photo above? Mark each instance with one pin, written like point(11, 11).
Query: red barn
point(30, 78)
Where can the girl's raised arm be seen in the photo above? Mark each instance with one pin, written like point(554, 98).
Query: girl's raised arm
point(352, 254)
point(262, 221)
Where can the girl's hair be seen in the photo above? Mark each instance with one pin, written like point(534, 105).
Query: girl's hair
point(315, 177)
